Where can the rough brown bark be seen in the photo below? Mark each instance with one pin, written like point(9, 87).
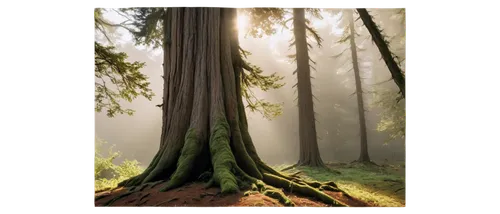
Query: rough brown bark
point(363, 155)
point(395, 70)
point(206, 129)
point(309, 152)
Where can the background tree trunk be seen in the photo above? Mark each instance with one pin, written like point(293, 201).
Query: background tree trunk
point(309, 152)
point(205, 129)
point(363, 155)
point(396, 73)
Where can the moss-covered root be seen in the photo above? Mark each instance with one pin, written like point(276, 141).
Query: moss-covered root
point(278, 195)
point(330, 186)
point(250, 192)
point(191, 149)
point(222, 157)
point(209, 184)
point(303, 189)
point(288, 167)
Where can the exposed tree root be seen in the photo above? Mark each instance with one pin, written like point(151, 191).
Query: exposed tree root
point(142, 203)
point(231, 178)
point(156, 183)
point(250, 192)
point(170, 200)
point(105, 189)
point(144, 196)
point(301, 188)
point(130, 201)
point(289, 167)
point(399, 189)
point(278, 195)
point(295, 174)
point(101, 197)
point(143, 187)
point(108, 203)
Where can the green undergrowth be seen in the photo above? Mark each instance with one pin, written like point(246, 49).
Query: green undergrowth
point(107, 174)
point(379, 185)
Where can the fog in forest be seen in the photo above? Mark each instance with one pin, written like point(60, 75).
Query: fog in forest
point(277, 141)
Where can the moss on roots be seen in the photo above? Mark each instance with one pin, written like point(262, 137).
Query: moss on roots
point(301, 188)
point(222, 157)
point(231, 178)
point(279, 195)
point(192, 148)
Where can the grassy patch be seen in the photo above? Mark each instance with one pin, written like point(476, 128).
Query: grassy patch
point(382, 186)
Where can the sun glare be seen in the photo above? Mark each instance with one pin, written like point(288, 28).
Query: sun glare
point(243, 21)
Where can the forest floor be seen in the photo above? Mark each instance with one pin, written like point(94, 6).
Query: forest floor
point(368, 185)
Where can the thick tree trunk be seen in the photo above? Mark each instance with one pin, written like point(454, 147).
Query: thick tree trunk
point(396, 73)
point(363, 156)
point(309, 152)
point(205, 128)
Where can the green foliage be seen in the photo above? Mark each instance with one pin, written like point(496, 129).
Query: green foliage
point(393, 115)
point(112, 67)
point(393, 120)
point(115, 173)
point(125, 77)
point(253, 77)
point(264, 21)
point(310, 31)
point(102, 163)
point(147, 23)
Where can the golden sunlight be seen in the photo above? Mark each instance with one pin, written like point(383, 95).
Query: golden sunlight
point(243, 21)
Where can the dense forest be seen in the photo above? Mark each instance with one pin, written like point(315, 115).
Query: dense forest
point(249, 107)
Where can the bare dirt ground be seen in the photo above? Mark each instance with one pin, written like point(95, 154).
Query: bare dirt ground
point(195, 195)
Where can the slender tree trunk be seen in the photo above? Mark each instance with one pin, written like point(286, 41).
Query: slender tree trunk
point(396, 73)
point(309, 152)
point(363, 156)
point(205, 128)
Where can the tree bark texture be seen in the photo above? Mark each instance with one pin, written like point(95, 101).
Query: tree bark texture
point(309, 152)
point(395, 70)
point(363, 156)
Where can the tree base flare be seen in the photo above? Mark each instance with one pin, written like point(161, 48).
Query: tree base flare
point(273, 185)
point(231, 178)
point(367, 163)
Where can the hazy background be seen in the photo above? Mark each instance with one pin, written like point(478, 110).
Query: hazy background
point(137, 137)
